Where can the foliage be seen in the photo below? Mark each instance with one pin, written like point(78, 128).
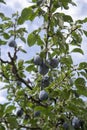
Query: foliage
point(63, 85)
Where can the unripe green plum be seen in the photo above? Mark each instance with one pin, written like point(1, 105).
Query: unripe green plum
point(43, 69)
point(43, 95)
point(37, 60)
point(12, 43)
point(53, 62)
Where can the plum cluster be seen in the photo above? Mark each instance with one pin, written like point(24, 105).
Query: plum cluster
point(76, 124)
point(43, 67)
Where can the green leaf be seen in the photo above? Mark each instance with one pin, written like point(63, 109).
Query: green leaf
point(9, 109)
point(83, 65)
point(31, 39)
point(27, 14)
point(78, 50)
point(2, 42)
point(31, 68)
point(80, 83)
point(22, 50)
point(66, 60)
point(67, 18)
point(6, 35)
point(34, 38)
point(2, 1)
point(85, 32)
point(12, 121)
point(1, 15)
point(2, 127)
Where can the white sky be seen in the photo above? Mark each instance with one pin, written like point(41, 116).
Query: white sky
point(17, 5)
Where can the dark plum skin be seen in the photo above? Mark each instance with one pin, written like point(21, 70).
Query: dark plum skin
point(19, 83)
point(37, 113)
point(43, 69)
point(19, 112)
point(37, 60)
point(43, 95)
point(65, 126)
point(53, 62)
point(76, 123)
point(12, 43)
point(45, 82)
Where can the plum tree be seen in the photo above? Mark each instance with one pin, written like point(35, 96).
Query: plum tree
point(49, 81)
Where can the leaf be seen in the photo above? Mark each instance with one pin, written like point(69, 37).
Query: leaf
point(27, 14)
point(85, 32)
point(34, 38)
point(31, 39)
point(83, 65)
point(78, 50)
point(6, 36)
point(2, 42)
point(12, 121)
point(80, 82)
point(1, 15)
point(2, 127)
point(31, 68)
point(67, 60)
point(2, 1)
point(67, 18)
point(22, 50)
point(10, 109)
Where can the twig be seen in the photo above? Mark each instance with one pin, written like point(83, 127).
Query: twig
point(48, 26)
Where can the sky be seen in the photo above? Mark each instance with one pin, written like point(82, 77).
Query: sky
point(12, 6)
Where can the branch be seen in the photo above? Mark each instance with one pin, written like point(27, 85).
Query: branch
point(4, 61)
point(48, 26)
point(71, 32)
point(15, 71)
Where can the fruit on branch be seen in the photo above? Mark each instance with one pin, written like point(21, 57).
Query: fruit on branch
point(37, 60)
point(20, 112)
point(19, 83)
point(76, 123)
point(43, 95)
point(37, 113)
point(12, 43)
point(26, 117)
point(43, 69)
point(45, 82)
point(53, 62)
point(65, 126)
